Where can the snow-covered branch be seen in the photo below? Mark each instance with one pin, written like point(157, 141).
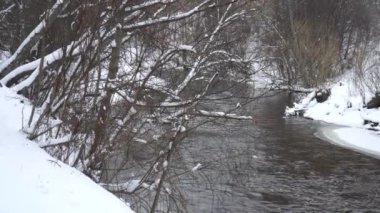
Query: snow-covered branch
point(147, 4)
point(7, 10)
point(169, 18)
point(49, 59)
point(35, 35)
point(201, 59)
point(223, 115)
point(56, 141)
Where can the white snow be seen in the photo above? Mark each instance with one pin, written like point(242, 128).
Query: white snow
point(197, 167)
point(34, 65)
point(32, 181)
point(372, 115)
point(129, 186)
point(4, 55)
point(187, 48)
point(31, 37)
point(344, 107)
point(224, 115)
point(139, 140)
point(55, 141)
point(357, 139)
point(341, 108)
point(165, 164)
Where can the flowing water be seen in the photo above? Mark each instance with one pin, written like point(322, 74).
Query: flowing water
point(276, 164)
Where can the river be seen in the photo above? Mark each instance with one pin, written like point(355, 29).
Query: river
point(276, 164)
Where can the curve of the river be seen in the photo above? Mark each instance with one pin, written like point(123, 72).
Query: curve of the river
point(276, 165)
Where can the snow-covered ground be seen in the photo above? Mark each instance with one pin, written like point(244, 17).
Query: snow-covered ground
point(357, 139)
point(344, 107)
point(32, 181)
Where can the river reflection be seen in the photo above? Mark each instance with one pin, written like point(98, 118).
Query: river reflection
point(275, 164)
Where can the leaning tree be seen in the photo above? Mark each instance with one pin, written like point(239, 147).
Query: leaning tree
point(126, 78)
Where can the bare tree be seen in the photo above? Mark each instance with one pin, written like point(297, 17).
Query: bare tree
point(311, 41)
point(128, 76)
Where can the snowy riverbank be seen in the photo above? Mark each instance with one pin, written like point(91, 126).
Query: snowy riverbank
point(33, 181)
point(344, 107)
point(360, 140)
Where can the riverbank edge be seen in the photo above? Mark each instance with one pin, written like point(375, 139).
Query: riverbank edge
point(350, 124)
point(329, 133)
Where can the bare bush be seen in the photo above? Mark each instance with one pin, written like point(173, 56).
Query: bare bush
point(316, 51)
point(129, 79)
point(366, 67)
point(308, 42)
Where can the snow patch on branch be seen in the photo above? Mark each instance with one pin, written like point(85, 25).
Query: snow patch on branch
point(33, 36)
point(34, 65)
point(196, 168)
point(56, 141)
point(187, 48)
point(223, 115)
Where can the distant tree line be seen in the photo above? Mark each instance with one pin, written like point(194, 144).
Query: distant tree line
point(310, 41)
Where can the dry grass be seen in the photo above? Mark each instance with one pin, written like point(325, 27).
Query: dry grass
point(316, 52)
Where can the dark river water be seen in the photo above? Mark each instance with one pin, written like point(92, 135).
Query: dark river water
point(276, 164)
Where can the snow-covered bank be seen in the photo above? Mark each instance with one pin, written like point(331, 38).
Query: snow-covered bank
point(34, 182)
point(357, 139)
point(344, 106)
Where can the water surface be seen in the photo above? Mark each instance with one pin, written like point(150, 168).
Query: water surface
point(275, 164)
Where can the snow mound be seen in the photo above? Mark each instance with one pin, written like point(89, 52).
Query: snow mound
point(33, 181)
point(340, 108)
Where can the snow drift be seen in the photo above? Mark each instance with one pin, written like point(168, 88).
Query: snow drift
point(33, 181)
